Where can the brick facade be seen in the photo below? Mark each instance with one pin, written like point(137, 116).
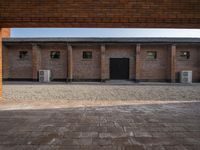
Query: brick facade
point(58, 67)
point(4, 33)
point(72, 66)
point(1, 62)
point(86, 69)
point(173, 63)
point(18, 69)
point(192, 64)
point(100, 13)
point(155, 69)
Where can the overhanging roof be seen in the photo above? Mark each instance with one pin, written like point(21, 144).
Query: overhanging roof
point(101, 40)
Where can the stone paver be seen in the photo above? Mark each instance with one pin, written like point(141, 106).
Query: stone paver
point(159, 126)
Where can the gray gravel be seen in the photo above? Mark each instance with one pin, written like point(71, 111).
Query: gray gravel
point(98, 91)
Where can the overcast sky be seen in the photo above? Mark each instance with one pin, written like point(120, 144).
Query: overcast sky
point(105, 32)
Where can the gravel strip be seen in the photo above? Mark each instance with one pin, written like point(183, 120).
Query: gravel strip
point(63, 91)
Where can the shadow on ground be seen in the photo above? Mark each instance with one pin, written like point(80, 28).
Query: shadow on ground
point(160, 126)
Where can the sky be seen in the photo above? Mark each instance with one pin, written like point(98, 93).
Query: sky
point(103, 32)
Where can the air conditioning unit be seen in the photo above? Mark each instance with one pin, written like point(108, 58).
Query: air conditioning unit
point(186, 77)
point(44, 75)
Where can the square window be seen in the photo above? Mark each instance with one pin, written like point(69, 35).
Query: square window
point(23, 55)
point(184, 55)
point(151, 55)
point(87, 55)
point(55, 54)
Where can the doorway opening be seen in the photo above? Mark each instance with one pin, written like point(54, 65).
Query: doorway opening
point(119, 68)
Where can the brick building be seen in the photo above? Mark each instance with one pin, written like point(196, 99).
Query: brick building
point(97, 59)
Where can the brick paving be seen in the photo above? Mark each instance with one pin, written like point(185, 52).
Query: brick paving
point(145, 126)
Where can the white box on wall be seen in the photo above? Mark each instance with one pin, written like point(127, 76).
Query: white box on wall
point(186, 76)
point(44, 75)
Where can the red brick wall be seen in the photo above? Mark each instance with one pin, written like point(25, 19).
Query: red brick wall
point(1, 45)
point(5, 62)
point(191, 64)
point(157, 69)
point(100, 13)
point(23, 68)
point(86, 69)
point(58, 67)
point(5, 32)
point(19, 69)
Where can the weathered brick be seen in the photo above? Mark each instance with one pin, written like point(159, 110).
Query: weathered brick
point(109, 13)
point(0, 63)
point(71, 64)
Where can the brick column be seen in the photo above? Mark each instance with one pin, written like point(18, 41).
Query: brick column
point(173, 63)
point(0, 63)
point(36, 61)
point(6, 67)
point(70, 63)
point(137, 63)
point(103, 63)
point(199, 63)
point(5, 32)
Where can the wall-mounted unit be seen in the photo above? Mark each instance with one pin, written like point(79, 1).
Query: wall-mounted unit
point(44, 75)
point(186, 76)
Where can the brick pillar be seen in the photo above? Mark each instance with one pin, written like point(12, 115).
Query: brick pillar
point(173, 64)
point(199, 63)
point(0, 63)
point(36, 61)
point(6, 67)
point(137, 63)
point(5, 32)
point(103, 63)
point(70, 63)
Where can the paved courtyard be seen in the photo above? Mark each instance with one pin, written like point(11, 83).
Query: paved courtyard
point(100, 116)
point(143, 125)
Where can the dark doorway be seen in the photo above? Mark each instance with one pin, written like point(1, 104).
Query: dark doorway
point(119, 68)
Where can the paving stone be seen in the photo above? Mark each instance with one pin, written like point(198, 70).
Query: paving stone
point(142, 134)
point(174, 147)
point(82, 141)
point(157, 147)
point(172, 126)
